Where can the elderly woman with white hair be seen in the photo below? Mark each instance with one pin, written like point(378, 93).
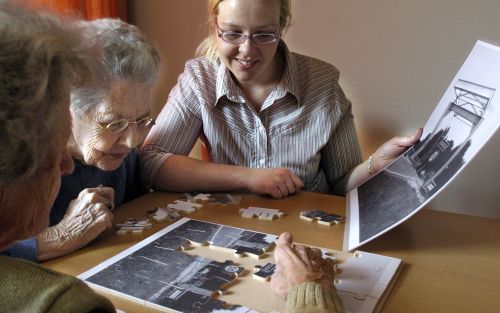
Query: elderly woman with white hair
point(110, 117)
point(41, 58)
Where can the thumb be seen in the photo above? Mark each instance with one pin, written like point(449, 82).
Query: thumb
point(285, 238)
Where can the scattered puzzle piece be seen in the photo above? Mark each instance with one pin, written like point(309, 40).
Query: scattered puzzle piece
point(224, 199)
point(195, 197)
point(261, 213)
point(185, 207)
point(160, 214)
point(133, 226)
point(321, 217)
point(264, 272)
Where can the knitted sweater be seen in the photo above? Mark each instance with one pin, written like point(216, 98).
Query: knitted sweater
point(28, 287)
point(313, 298)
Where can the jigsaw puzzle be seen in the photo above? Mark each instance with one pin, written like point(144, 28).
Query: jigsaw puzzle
point(261, 213)
point(322, 217)
point(158, 272)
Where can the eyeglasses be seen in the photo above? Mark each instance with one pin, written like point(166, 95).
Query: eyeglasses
point(237, 38)
point(121, 125)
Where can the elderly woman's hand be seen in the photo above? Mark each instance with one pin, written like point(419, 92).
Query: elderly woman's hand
point(296, 264)
point(87, 217)
point(276, 182)
point(392, 149)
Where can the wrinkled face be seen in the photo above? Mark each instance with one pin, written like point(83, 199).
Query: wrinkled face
point(26, 205)
point(249, 62)
point(95, 145)
point(62, 163)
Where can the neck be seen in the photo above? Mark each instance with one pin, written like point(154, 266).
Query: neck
point(257, 92)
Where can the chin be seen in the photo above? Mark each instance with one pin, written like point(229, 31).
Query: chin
point(109, 165)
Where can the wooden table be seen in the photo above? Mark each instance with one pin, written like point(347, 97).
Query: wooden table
point(451, 261)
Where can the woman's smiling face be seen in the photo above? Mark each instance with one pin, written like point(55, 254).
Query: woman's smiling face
point(248, 62)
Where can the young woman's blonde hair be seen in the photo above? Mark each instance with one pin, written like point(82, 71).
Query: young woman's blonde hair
point(208, 46)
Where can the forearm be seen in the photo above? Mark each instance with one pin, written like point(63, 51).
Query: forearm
point(51, 244)
point(180, 173)
point(356, 176)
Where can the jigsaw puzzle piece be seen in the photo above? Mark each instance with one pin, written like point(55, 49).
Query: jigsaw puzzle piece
point(133, 226)
point(185, 207)
point(224, 199)
point(261, 213)
point(160, 214)
point(195, 197)
point(264, 272)
point(322, 217)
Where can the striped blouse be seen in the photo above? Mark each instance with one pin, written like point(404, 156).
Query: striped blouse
point(305, 124)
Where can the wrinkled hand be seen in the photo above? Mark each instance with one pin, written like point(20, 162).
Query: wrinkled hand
point(296, 264)
point(393, 148)
point(276, 182)
point(87, 217)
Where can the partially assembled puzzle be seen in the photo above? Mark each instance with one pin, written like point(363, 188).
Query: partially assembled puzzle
point(163, 271)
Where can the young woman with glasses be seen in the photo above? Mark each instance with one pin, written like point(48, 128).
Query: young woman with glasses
point(111, 116)
point(273, 121)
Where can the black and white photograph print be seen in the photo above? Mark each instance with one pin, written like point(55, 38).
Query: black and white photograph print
point(463, 121)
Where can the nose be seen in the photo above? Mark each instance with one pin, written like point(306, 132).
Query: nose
point(66, 165)
point(246, 45)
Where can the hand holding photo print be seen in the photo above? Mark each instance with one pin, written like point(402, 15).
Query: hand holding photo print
point(465, 118)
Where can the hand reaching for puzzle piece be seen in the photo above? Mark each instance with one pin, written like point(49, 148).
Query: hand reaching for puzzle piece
point(297, 264)
point(86, 218)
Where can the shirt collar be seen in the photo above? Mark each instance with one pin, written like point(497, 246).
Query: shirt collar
point(225, 85)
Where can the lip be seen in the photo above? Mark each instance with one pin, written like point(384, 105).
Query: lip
point(245, 66)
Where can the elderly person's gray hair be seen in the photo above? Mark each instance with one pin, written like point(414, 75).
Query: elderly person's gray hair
point(39, 62)
point(128, 56)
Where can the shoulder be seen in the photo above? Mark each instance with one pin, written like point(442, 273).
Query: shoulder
point(202, 67)
point(55, 290)
point(307, 66)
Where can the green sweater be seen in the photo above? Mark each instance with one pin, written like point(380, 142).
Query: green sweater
point(28, 287)
point(313, 298)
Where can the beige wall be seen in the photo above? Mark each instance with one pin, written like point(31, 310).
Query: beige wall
point(396, 59)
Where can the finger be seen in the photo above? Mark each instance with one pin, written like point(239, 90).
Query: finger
point(283, 189)
point(276, 193)
point(102, 215)
point(316, 254)
point(285, 238)
point(304, 253)
point(106, 192)
point(290, 256)
point(94, 198)
point(297, 182)
point(290, 184)
point(409, 140)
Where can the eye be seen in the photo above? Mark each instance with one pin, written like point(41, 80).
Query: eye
point(145, 122)
point(264, 37)
point(117, 126)
point(231, 36)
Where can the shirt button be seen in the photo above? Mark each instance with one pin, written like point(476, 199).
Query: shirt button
point(262, 161)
